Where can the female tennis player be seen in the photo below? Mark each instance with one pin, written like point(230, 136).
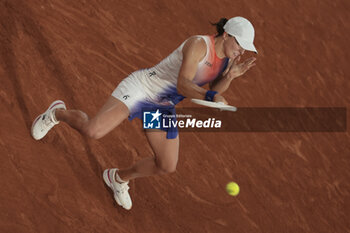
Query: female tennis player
point(199, 60)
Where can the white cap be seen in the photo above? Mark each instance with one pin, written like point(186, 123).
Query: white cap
point(243, 31)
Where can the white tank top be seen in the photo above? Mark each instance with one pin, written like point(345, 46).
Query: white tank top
point(162, 78)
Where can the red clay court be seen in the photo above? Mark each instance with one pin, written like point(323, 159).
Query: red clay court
point(78, 51)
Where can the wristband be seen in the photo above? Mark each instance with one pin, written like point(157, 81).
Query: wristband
point(209, 96)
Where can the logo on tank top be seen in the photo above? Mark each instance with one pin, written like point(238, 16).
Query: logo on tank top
point(152, 73)
point(208, 64)
point(126, 96)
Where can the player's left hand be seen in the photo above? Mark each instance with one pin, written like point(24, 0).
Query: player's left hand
point(237, 69)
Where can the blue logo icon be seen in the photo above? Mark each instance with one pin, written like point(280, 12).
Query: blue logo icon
point(152, 119)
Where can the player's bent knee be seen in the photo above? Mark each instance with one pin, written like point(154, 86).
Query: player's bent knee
point(169, 169)
point(92, 131)
point(167, 166)
point(92, 134)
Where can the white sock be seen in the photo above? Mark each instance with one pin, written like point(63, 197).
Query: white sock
point(53, 116)
point(118, 179)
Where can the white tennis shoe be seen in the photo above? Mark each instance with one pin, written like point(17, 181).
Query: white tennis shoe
point(120, 190)
point(44, 122)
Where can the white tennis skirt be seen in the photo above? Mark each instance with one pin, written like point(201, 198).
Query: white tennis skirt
point(144, 91)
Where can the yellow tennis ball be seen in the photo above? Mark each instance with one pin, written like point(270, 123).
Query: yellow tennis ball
point(232, 188)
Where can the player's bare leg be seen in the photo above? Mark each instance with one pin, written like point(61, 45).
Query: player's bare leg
point(110, 116)
point(165, 160)
point(166, 153)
